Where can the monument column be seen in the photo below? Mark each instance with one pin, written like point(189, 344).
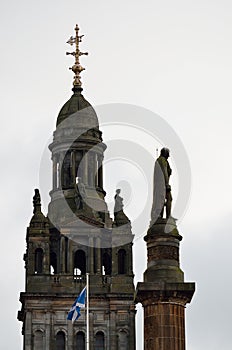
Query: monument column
point(163, 293)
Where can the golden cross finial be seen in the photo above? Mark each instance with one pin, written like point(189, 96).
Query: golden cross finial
point(76, 68)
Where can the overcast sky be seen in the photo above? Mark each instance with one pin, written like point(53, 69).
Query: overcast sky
point(173, 58)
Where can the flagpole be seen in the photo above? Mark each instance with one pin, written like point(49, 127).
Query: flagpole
point(87, 311)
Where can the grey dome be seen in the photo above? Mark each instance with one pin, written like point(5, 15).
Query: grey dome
point(87, 118)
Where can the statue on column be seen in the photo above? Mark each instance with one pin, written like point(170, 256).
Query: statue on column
point(162, 196)
point(120, 217)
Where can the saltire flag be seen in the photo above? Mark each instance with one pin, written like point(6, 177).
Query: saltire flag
point(74, 312)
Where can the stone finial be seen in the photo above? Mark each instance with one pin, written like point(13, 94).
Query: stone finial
point(76, 68)
point(37, 202)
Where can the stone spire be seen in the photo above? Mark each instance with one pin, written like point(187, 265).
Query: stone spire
point(76, 68)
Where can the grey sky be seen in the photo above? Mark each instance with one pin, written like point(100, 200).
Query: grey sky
point(171, 57)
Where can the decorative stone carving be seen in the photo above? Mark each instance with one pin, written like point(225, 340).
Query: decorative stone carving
point(163, 252)
point(120, 217)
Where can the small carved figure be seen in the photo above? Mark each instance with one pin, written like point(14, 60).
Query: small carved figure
point(36, 200)
point(120, 217)
point(80, 194)
point(162, 196)
point(118, 202)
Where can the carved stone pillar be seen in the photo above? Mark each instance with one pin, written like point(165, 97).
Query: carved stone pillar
point(28, 331)
point(54, 174)
point(98, 253)
point(73, 168)
point(91, 255)
point(85, 170)
point(112, 327)
point(91, 168)
point(61, 169)
point(62, 254)
point(114, 261)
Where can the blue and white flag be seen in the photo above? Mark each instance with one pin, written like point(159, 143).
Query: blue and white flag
point(74, 312)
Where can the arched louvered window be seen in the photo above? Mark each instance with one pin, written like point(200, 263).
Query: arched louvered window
point(122, 262)
point(38, 340)
point(60, 341)
point(38, 260)
point(80, 341)
point(80, 261)
point(122, 340)
point(99, 341)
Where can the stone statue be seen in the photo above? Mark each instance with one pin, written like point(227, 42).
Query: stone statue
point(120, 217)
point(36, 201)
point(162, 196)
point(118, 202)
point(80, 194)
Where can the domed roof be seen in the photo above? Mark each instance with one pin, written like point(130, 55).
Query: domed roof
point(77, 102)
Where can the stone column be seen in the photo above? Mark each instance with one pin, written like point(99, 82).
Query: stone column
point(98, 252)
point(112, 339)
point(73, 168)
point(164, 293)
point(114, 261)
point(91, 255)
point(47, 329)
point(70, 336)
point(54, 175)
point(62, 254)
point(28, 332)
point(70, 259)
point(91, 169)
point(91, 329)
point(85, 170)
point(60, 173)
point(131, 338)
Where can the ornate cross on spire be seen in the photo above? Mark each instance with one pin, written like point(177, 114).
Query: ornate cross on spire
point(76, 68)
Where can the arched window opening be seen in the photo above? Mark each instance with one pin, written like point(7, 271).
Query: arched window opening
point(80, 341)
point(99, 341)
point(39, 260)
point(122, 340)
point(80, 261)
point(122, 261)
point(53, 263)
point(38, 340)
point(106, 264)
point(60, 341)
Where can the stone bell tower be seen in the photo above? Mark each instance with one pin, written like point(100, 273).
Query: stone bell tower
point(163, 293)
point(78, 236)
